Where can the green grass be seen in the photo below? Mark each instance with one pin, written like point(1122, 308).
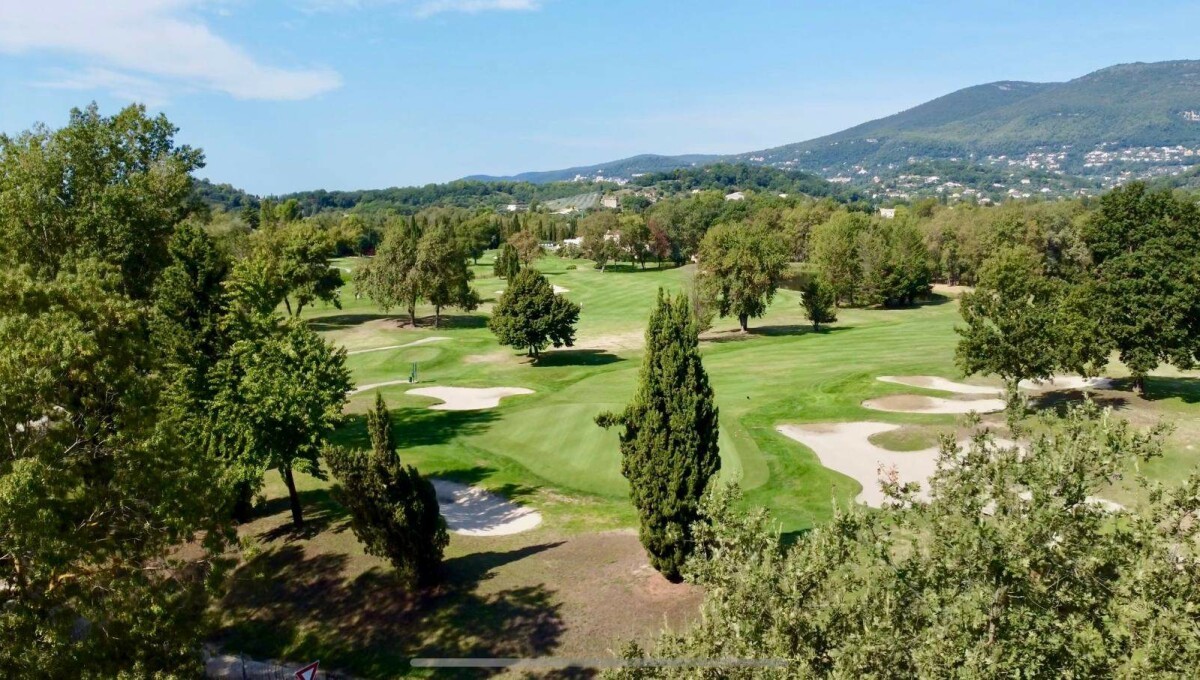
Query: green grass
point(779, 372)
point(545, 450)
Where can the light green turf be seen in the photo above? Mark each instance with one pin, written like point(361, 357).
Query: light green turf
point(780, 372)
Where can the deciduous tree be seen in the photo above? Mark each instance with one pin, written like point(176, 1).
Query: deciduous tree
point(739, 269)
point(530, 316)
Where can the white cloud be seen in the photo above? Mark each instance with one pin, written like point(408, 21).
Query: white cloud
point(137, 45)
point(149, 92)
point(430, 7)
point(427, 8)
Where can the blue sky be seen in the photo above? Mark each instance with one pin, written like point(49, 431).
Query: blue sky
point(347, 94)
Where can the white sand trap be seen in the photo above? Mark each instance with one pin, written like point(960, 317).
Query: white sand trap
point(912, 403)
point(1068, 382)
point(844, 448)
point(414, 343)
point(472, 511)
point(468, 398)
point(559, 289)
point(931, 382)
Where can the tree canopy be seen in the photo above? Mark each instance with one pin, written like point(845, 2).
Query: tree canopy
point(739, 269)
point(530, 316)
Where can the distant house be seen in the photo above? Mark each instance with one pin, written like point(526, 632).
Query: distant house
point(610, 202)
point(735, 196)
point(577, 241)
point(887, 213)
point(516, 207)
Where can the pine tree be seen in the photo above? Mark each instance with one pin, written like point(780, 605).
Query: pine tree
point(669, 444)
point(393, 509)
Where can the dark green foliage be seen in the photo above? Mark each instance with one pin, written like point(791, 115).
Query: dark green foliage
point(105, 188)
point(442, 270)
point(97, 490)
point(817, 300)
point(739, 269)
point(278, 394)
point(669, 439)
point(393, 509)
point(1146, 250)
point(530, 316)
point(1022, 324)
point(392, 278)
point(1008, 571)
point(508, 262)
point(189, 301)
point(894, 264)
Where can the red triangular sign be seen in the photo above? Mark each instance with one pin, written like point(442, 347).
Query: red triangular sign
point(309, 672)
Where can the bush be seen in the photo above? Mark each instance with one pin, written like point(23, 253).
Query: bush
point(571, 266)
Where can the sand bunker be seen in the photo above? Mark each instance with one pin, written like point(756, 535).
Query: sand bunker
point(1068, 382)
point(468, 398)
point(911, 403)
point(423, 341)
point(472, 511)
point(931, 382)
point(844, 448)
point(560, 289)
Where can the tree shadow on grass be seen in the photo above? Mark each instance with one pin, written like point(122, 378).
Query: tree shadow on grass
point(477, 474)
point(1186, 390)
point(285, 602)
point(415, 427)
point(1060, 400)
point(337, 322)
point(771, 332)
point(454, 321)
point(321, 513)
point(576, 357)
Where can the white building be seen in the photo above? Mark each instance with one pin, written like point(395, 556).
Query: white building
point(735, 196)
point(887, 213)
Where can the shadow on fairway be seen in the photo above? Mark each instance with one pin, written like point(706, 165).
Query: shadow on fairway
point(1059, 400)
point(771, 332)
point(337, 322)
point(415, 427)
point(285, 602)
point(1185, 389)
point(576, 357)
point(321, 513)
point(473, 476)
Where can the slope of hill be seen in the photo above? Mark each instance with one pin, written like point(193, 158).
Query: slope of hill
point(625, 168)
point(1092, 125)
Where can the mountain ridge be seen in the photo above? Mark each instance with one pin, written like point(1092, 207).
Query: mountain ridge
point(1140, 104)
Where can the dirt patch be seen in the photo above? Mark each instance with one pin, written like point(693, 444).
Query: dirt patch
point(931, 382)
point(472, 511)
point(911, 403)
point(466, 398)
point(951, 291)
point(492, 358)
point(613, 341)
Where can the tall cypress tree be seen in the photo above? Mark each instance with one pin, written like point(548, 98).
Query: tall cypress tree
point(393, 509)
point(669, 443)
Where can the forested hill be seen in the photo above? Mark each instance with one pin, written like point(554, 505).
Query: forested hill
point(1131, 105)
point(405, 200)
point(623, 169)
point(500, 193)
point(1124, 106)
